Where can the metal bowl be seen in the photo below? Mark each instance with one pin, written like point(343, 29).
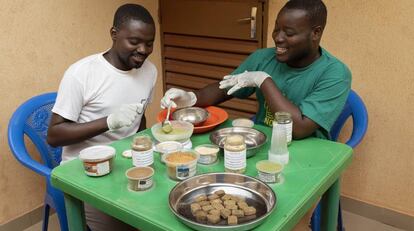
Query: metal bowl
point(253, 138)
point(194, 115)
point(255, 192)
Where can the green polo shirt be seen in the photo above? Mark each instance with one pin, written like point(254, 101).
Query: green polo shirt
point(319, 90)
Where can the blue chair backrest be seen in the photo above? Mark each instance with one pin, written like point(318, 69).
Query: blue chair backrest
point(356, 109)
point(32, 119)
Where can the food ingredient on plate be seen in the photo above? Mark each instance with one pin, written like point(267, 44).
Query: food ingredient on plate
point(166, 124)
point(221, 208)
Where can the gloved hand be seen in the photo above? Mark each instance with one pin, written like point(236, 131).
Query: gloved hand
point(178, 98)
point(125, 116)
point(245, 79)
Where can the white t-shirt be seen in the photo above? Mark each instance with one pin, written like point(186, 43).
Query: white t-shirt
point(92, 88)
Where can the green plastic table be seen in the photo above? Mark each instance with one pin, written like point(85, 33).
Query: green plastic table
point(313, 171)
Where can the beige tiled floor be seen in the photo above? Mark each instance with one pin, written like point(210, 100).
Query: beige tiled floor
point(352, 221)
point(53, 225)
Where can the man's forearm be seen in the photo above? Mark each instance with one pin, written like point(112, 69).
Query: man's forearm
point(211, 95)
point(302, 126)
point(67, 133)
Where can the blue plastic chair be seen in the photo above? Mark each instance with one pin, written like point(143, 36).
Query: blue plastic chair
point(356, 109)
point(32, 119)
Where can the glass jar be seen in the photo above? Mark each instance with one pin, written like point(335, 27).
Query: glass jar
point(284, 119)
point(235, 154)
point(142, 153)
point(278, 151)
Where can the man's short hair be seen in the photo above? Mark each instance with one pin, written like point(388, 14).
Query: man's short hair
point(315, 9)
point(129, 12)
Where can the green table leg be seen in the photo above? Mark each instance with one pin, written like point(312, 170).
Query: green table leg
point(330, 206)
point(75, 213)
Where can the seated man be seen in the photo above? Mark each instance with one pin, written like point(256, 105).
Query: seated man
point(297, 76)
point(102, 97)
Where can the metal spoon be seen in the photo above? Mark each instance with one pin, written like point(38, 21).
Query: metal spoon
point(166, 124)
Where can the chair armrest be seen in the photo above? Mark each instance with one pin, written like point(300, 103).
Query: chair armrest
point(37, 167)
point(19, 151)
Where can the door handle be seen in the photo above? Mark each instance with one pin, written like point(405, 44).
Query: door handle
point(252, 20)
point(244, 19)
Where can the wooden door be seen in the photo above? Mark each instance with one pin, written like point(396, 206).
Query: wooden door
point(203, 40)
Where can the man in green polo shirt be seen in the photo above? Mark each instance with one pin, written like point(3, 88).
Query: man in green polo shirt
point(295, 76)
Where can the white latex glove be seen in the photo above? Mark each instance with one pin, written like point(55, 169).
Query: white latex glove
point(125, 116)
point(245, 79)
point(178, 98)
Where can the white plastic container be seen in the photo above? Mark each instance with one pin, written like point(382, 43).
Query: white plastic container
point(182, 164)
point(207, 153)
point(268, 171)
point(168, 147)
point(278, 151)
point(139, 178)
point(97, 160)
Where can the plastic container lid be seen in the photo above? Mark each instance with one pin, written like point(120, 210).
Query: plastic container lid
point(243, 122)
point(269, 166)
point(168, 146)
point(127, 153)
point(207, 149)
point(97, 153)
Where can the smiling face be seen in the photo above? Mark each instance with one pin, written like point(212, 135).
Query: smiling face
point(132, 44)
point(296, 40)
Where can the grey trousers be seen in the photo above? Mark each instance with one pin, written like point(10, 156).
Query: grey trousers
point(100, 221)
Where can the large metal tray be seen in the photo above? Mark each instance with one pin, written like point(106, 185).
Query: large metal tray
point(255, 192)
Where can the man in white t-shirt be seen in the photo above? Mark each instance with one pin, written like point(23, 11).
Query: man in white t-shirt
point(103, 97)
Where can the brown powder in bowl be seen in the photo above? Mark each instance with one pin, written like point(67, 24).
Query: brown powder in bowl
point(180, 157)
point(140, 172)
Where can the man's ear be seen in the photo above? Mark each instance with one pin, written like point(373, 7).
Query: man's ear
point(317, 33)
point(114, 33)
